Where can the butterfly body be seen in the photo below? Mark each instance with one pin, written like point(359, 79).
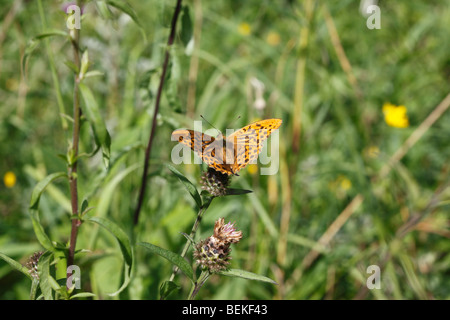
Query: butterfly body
point(229, 154)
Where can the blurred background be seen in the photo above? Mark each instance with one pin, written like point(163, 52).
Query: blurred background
point(349, 192)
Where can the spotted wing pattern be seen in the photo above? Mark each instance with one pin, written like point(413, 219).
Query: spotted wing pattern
point(244, 145)
point(248, 141)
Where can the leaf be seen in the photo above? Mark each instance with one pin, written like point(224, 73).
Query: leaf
point(174, 258)
point(188, 237)
point(82, 295)
point(106, 198)
point(189, 185)
point(126, 8)
point(34, 287)
point(125, 247)
point(166, 288)
point(44, 275)
point(40, 187)
point(34, 42)
point(119, 234)
point(50, 33)
point(235, 192)
point(42, 237)
point(246, 275)
point(186, 26)
point(16, 265)
point(92, 112)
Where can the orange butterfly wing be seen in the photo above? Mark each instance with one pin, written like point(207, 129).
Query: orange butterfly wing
point(246, 144)
point(210, 149)
point(248, 141)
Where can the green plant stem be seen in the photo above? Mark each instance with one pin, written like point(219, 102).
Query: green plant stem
point(204, 276)
point(75, 143)
point(193, 232)
point(155, 114)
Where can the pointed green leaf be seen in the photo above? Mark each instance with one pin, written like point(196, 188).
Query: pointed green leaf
point(34, 287)
point(189, 238)
point(166, 288)
point(40, 187)
point(126, 8)
point(44, 276)
point(91, 110)
point(16, 265)
point(42, 237)
point(174, 258)
point(82, 295)
point(246, 275)
point(125, 247)
point(235, 192)
point(189, 185)
point(186, 26)
point(121, 236)
point(50, 33)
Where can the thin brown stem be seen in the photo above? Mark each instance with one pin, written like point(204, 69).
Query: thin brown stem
point(157, 103)
point(72, 171)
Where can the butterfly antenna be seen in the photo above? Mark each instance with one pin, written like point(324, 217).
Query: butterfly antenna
point(229, 125)
point(210, 123)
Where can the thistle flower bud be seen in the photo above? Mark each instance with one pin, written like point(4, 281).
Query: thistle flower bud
point(213, 253)
point(32, 264)
point(216, 183)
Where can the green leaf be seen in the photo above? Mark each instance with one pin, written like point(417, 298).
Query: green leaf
point(16, 265)
point(188, 237)
point(82, 295)
point(174, 258)
point(189, 185)
point(186, 26)
point(34, 287)
point(125, 247)
point(166, 288)
point(103, 10)
point(94, 73)
point(44, 276)
point(235, 192)
point(246, 275)
point(119, 234)
point(42, 237)
point(72, 66)
point(126, 8)
point(106, 196)
point(40, 187)
point(34, 42)
point(92, 112)
point(51, 33)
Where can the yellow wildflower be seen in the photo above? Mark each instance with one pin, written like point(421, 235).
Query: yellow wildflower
point(273, 38)
point(9, 179)
point(252, 169)
point(340, 186)
point(244, 29)
point(345, 183)
point(395, 116)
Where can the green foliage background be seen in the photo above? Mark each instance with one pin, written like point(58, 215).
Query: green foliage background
point(344, 142)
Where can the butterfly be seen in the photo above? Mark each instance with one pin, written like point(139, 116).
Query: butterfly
point(230, 154)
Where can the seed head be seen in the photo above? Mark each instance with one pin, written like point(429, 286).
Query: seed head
point(213, 253)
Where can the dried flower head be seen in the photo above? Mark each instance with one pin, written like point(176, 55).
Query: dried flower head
point(32, 264)
point(226, 232)
point(213, 253)
point(215, 182)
